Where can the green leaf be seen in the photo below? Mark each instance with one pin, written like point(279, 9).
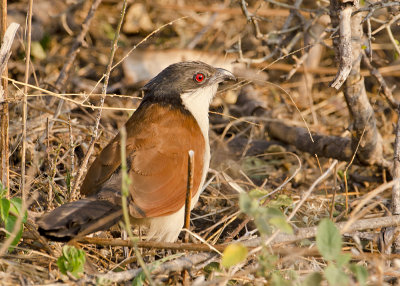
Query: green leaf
point(263, 225)
point(72, 260)
point(108, 30)
point(360, 272)
point(314, 279)
point(247, 204)
point(3, 191)
point(336, 276)
point(12, 206)
point(233, 254)
point(329, 240)
point(211, 267)
point(281, 201)
point(4, 209)
point(278, 280)
point(343, 259)
point(9, 226)
point(342, 174)
point(16, 205)
point(281, 224)
point(257, 193)
point(275, 217)
point(139, 280)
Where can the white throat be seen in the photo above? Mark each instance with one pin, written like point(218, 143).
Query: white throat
point(198, 103)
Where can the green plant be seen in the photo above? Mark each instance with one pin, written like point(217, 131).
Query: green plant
point(329, 243)
point(266, 218)
point(339, 271)
point(10, 209)
point(71, 261)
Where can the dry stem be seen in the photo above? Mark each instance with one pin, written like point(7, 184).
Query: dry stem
point(25, 101)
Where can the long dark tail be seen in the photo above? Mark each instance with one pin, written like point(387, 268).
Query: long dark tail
point(79, 218)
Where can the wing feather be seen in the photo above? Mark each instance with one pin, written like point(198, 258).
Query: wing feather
point(157, 148)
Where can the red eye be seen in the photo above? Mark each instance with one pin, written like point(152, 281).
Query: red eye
point(199, 77)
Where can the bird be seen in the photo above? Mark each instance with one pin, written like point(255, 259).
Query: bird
point(171, 119)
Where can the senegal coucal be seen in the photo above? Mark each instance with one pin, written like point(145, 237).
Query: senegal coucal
point(171, 120)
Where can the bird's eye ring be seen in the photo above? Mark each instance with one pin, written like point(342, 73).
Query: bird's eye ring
point(199, 77)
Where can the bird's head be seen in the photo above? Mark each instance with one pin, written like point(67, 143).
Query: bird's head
point(182, 79)
point(189, 87)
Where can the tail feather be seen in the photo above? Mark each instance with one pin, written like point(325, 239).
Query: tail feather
point(80, 217)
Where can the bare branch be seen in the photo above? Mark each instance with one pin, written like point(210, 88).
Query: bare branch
point(344, 48)
point(4, 114)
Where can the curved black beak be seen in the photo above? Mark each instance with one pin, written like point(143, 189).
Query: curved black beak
point(223, 75)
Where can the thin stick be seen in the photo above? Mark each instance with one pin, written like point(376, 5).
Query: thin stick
point(188, 205)
point(282, 238)
point(334, 193)
point(25, 100)
point(50, 186)
point(72, 156)
point(396, 170)
point(4, 116)
point(189, 191)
